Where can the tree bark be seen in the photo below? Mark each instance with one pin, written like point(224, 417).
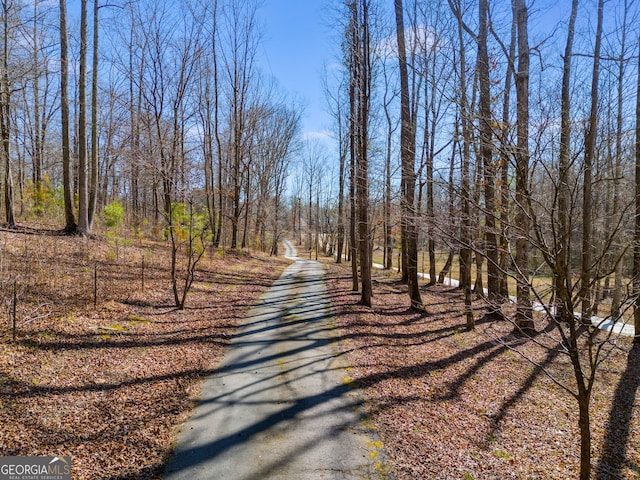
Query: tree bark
point(562, 278)
point(486, 154)
point(407, 155)
point(93, 178)
point(83, 192)
point(70, 221)
point(524, 316)
point(589, 156)
point(363, 70)
point(353, 240)
point(5, 125)
point(636, 242)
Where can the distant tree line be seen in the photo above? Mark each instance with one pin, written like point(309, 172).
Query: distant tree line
point(147, 103)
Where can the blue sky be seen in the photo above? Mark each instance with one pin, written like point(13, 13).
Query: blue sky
point(297, 43)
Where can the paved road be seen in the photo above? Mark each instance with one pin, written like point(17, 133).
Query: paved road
point(280, 405)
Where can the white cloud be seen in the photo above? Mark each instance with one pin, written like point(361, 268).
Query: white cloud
point(318, 135)
point(418, 38)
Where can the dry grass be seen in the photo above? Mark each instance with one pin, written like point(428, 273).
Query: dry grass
point(451, 404)
point(107, 384)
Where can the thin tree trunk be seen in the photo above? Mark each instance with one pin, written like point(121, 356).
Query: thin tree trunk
point(589, 156)
point(93, 180)
point(636, 236)
point(37, 130)
point(83, 192)
point(617, 174)
point(465, 227)
point(341, 179)
point(353, 240)
point(504, 253)
point(562, 278)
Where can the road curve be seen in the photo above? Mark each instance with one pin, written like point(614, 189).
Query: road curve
point(280, 406)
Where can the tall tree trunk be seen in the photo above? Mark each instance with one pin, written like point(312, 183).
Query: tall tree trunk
point(67, 180)
point(37, 128)
point(562, 277)
point(407, 155)
point(5, 124)
point(363, 70)
point(486, 154)
point(636, 236)
point(93, 178)
point(505, 160)
point(463, 126)
point(589, 156)
point(388, 239)
point(386, 214)
point(83, 192)
point(353, 127)
point(617, 174)
point(524, 317)
point(341, 180)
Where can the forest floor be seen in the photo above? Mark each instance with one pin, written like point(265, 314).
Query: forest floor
point(107, 379)
point(107, 383)
point(452, 404)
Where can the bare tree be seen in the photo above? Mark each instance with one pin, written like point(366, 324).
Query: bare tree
point(589, 156)
point(636, 236)
point(524, 318)
point(93, 163)
point(486, 153)
point(83, 183)
point(360, 79)
point(5, 115)
point(407, 155)
point(465, 187)
point(70, 221)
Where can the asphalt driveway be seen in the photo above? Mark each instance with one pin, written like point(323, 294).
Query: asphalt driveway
point(281, 405)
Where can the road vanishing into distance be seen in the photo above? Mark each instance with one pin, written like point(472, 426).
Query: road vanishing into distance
point(281, 405)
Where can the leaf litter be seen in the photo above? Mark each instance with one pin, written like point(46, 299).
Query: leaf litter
point(451, 404)
point(108, 384)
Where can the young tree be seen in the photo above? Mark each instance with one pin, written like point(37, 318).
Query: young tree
point(465, 187)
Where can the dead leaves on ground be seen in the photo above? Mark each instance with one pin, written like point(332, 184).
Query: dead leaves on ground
point(451, 404)
point(108, 384)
